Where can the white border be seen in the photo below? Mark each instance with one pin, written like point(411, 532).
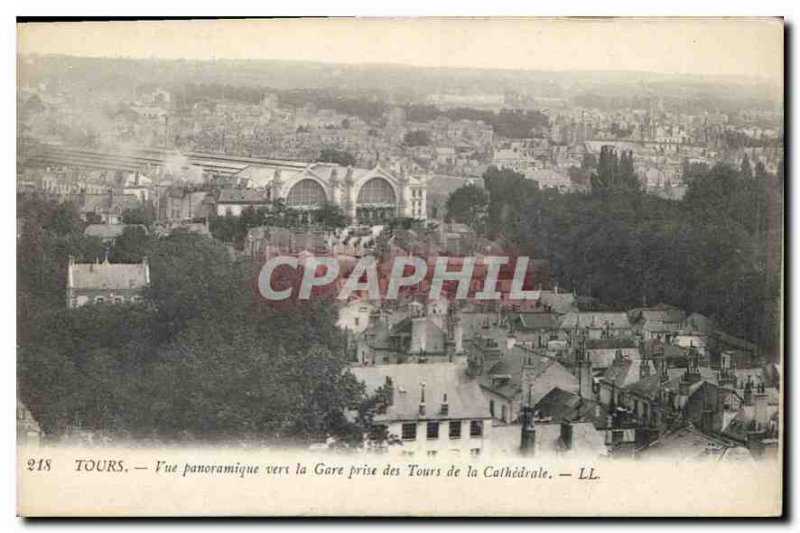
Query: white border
point(787, 8)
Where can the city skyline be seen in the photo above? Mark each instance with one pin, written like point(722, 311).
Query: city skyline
point(664, 46)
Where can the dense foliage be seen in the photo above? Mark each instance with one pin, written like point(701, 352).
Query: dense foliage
point(469, 205)
point(201, 357)
point(717, 252)
point(233, 229)
point(338, 157)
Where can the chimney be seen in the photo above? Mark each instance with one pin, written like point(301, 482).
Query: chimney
point(644, 368)
point(146, 267)
point(585, 379)
point(683, 394)
point(445, 407)
point(664, 376)
point(566, 434)
point(389, 385)
point(422, 399)
point(528, 440)
point(748, 393)
point(760, 407)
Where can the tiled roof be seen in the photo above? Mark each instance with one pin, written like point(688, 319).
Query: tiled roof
point(595, 320)
point(109, 275)
point(560, 405)
point(532, 321)
point(687, 443)
point(510, 367)
point(464, 396)
point(627, 373)
point(604, 357)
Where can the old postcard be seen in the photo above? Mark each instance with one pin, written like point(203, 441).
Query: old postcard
point(400, 267)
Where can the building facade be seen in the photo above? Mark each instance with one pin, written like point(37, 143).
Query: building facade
point(106, 283)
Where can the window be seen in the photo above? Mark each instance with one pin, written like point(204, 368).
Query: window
point(491, 407)
point(433, 430)
point(475, 452)
point(99, 300)
point(410, 431)
point(356, 321)
point(503, 414)
point(455, 429)
point(616, 437)
point(306, 192)
point(118, 299)
point(476, 428)
point(432, 453)
point(376, 191)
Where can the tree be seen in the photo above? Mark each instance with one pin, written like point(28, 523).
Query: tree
point(589, 162)
point(415, 138)
point(132, 246)
point(338, 157)
point(331, 217)
point(469, 205)
point(193, 277)
point(747, 168)
point(144, 215)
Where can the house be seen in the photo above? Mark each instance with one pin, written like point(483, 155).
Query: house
point(622, 373)
point(429, 410)
point(135, 184)
point(687, 443)
point(106, 283)
point(658, 323)
point(231, 202)
point(521, 376)
point(551, 438)
point(355, 316)
point(455, 238)
point(536, 329)
point(185, 203)
point(424, 332)
point(29, 434)
point(597, 325)
point(756, 421)
point(108, 208)
point(603, 358)
point(559, 405)
point(556, 301)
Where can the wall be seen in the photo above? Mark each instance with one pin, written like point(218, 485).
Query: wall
point(444, 446)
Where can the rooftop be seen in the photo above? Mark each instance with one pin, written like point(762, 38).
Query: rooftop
point(465, 399)
point(107, 275)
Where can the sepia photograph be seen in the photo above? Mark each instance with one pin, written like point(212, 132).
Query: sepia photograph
point(400, 267)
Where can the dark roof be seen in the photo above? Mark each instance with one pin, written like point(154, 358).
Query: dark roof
point(560, 405)
point(649, 387)
point(535, 321)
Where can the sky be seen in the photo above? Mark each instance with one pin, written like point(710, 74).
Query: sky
point(718, 46)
